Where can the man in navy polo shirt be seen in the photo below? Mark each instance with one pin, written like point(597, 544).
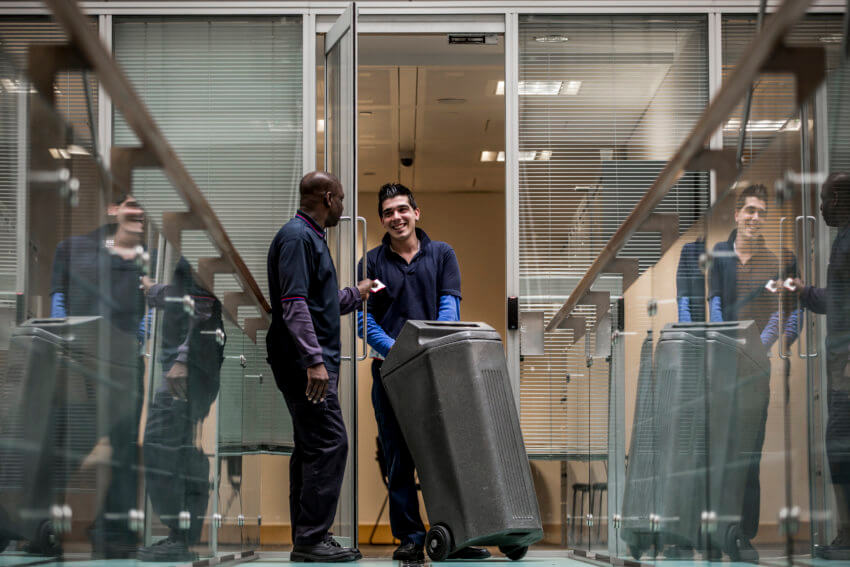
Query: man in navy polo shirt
point(303, 347)
point(422, 280)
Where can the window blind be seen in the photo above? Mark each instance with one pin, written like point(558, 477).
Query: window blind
point(227, 93)
point(16, 35)
point(774, 103)
point(604, 102)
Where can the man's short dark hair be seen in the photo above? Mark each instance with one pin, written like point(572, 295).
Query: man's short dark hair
point(390, 190)
point(758, 191)
point(839, 182)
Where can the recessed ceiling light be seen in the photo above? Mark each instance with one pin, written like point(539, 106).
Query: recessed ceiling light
point(831, 38)
point(553, 38)
point(544, 88)
point(500, 88)
point(59, 153)
point(544, 155)
point(488, 155)
point(501, 156)
point(572, 87)
point(527, 155)
point(320, 125)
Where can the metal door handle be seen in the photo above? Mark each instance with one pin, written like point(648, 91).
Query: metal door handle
point(365, 248)
point(781, 330)
point(811, 352)
point(344, 218)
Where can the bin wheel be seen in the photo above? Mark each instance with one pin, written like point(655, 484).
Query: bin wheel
point(438, 542)
point(636, 552)
point(514, 552)
point(46, 541)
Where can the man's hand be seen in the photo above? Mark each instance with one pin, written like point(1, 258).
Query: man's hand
point(177, 382)
point(317, 383)
point(363, 287)
point(146, 283)
point(798, 285)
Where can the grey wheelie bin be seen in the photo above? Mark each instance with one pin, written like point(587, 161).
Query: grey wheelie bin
point(60, 389)
point(700, 417)
point(448, 385)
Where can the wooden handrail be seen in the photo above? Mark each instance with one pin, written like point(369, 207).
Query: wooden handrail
point(758, 54)
point(125, 99)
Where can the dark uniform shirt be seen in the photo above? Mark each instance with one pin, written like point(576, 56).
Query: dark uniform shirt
point(413, 290)
point(834, 300)
point(300, 268)
point(741, 287)
point(97, 282)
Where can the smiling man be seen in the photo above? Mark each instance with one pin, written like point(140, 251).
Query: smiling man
point(422, 279)
point(741, 267)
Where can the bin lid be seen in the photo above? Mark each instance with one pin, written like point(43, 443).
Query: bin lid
point(418, 336)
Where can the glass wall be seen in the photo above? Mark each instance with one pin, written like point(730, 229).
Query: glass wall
point(604, 101)
point(227, 92)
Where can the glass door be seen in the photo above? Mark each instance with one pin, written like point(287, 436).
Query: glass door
point(340, 145)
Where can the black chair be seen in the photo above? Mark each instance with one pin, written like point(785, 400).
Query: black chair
point(382, 465)
point(583, 489)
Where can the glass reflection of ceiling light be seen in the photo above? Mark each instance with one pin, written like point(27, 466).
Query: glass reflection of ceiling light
point(832, 38)
point(544, 88)
point(572, 87)
point(500, 88)
point(59, 153)
point(544, 155)
point(765, 125)
point(320, 125)
point(76, 150)
point(488, 155)
point(554, 38)
point(527, 155)
point(501, 156)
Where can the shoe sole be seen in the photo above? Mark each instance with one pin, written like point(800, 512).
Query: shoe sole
point(298, 557)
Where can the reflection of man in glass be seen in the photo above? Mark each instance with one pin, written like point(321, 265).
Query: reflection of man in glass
point(834, 301)
point(176, 469)
point(98, 274)
point(741, 268)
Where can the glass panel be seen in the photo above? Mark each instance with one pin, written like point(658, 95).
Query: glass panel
point(604, 101)
point(824, 323)
point(340, 69)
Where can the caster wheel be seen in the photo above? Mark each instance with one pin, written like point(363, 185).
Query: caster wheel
point(636, 552)
point(438, 542)
point(46, 541)
point(514, 552)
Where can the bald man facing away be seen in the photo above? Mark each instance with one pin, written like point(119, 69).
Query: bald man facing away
point(303, 346)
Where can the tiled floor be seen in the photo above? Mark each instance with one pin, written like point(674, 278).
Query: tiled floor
point(274, 560)
point(379, 557)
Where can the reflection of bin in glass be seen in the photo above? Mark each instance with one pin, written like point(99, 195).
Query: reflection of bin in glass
point(700, 416)
point(66, 381)
point(448, 385)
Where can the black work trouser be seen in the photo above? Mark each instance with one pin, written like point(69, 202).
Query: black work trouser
point(318, 460)
point(176, 470)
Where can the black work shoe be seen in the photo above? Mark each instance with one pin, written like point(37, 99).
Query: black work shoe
point(322, 552)
point(353, 550)
point(409, 552)
point(168, 549)
point(470, 553)
point(746, 550)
